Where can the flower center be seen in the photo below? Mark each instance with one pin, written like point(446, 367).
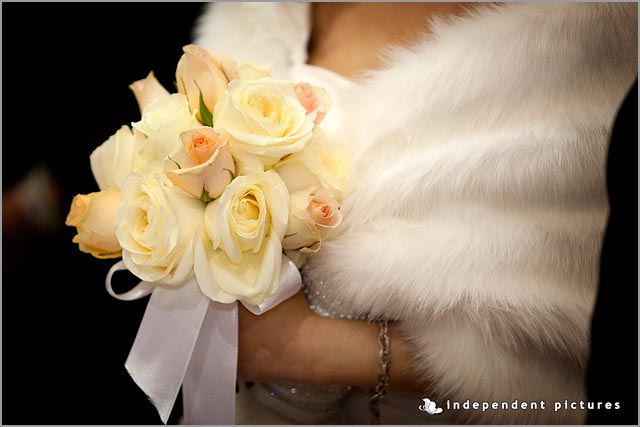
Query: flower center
point(263, 107)
point(248, 208)
point(200, 148)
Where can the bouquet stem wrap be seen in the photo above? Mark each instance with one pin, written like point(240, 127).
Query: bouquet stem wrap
point(187, 340)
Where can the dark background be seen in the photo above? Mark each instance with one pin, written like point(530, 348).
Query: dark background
point(613, 373)
point(66, 70)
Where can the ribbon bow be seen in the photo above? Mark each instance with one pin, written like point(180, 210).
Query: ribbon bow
point(185, 339)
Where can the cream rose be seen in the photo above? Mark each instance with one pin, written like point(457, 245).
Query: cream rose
point(148, 90)
point(156, 227)
point(313, 213)
point(200, 71)
point(264, 119)
point(162, 122)
point(322, 164)
point(203, 165)
point(315, 100)
point(94, 216)
point(240, 257)
point(114, 160)
point(252, 71)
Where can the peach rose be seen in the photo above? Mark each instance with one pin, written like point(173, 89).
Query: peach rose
point(313, 213)
point(94, 216)
point(148, 90)
point(201, 71)
point(203, 165)
point(315, 100)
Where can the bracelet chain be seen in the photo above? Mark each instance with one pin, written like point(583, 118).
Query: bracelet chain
point(380, 389)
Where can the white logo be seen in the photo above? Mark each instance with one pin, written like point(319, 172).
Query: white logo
point(429, 407)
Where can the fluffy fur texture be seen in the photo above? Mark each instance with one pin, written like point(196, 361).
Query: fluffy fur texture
point(476, 202)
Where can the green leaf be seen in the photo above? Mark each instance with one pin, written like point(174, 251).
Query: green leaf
point(205, 113)
point(205, 197)
point(312, 245)
point(307, 247)
point(233, 175)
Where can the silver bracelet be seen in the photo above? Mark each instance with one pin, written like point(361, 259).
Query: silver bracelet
point(384, 356)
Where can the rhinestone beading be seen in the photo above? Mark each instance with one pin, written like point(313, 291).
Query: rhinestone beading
point(308, 397)
point(323, 304)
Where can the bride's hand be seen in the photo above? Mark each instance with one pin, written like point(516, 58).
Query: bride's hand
point(271, 344)
point(292, 343)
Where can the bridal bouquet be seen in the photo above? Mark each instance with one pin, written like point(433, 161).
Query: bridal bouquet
point(222, 184)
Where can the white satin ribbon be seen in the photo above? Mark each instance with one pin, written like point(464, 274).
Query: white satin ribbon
point(187, 340)
point(209, 387)
point(141, 290)
point(290, 283)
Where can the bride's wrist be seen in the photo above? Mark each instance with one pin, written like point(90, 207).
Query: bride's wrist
point(348, 352)
point(344, 352)
point(292, 343)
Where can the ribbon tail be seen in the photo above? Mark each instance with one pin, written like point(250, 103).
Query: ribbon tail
point(209, 388)
point(165, 342)
point(187, 340)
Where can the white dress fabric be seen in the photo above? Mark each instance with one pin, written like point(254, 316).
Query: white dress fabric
point(476, 201)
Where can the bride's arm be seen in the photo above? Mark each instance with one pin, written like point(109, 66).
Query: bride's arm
point(292, 343)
